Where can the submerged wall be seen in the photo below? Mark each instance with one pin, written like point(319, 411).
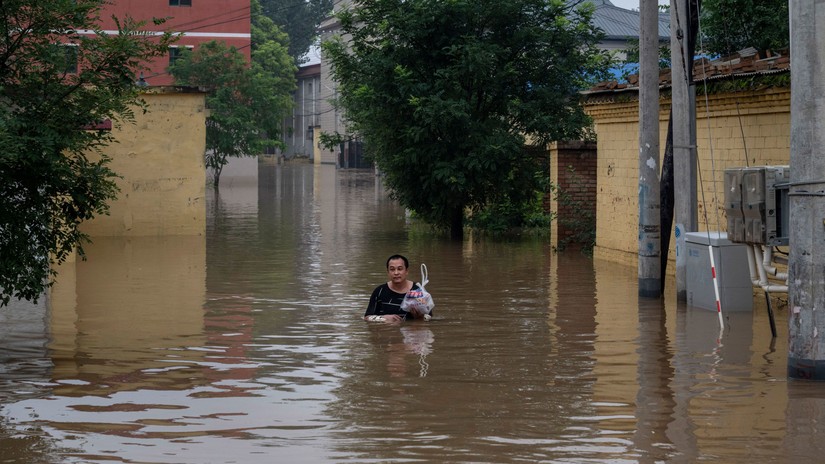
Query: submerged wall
point(160, 161)
point(756, 122)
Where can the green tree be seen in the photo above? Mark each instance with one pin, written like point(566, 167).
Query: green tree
point(732, 25)
point(444, 94)
point(299, 19)
point(54, 82)
point(247, 101)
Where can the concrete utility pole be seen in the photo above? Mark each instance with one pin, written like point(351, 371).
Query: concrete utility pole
point(806, 261)
point(649, 202)
point(684, 136)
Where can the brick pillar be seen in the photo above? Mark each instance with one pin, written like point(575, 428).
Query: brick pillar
point(573, 171)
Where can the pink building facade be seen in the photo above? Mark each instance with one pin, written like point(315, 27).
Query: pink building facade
point(198, 21)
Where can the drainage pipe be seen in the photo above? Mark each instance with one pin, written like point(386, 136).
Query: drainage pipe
point(763, 276)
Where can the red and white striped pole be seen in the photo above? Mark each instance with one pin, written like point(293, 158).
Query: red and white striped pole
point(716, 287)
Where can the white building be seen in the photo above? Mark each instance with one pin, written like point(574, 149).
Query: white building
point(315, 113)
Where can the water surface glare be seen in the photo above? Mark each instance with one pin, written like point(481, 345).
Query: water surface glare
point(246, 345)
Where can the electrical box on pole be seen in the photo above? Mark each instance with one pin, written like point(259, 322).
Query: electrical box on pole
point(756, 203)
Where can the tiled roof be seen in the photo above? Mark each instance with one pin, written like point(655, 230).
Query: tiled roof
point(746, 62)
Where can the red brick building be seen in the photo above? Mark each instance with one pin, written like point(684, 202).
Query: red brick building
point(198, 20)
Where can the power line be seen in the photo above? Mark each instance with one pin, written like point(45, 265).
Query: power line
point(247, 9)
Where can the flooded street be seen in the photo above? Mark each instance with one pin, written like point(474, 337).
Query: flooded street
point(246, 345)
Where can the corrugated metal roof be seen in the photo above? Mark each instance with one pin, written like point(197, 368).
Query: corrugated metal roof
point(739, 65)
point(313, 56)
point(620, 23)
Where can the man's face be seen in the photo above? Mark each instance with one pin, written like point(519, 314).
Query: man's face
point(397, 271)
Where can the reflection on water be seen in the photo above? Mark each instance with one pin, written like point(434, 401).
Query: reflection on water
point(246, 345)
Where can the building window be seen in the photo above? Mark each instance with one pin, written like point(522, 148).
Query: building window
point(66, 58)
point(175, 53)
point(180, 2)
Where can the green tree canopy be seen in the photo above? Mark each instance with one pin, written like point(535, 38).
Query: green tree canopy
point(299, 19)
point(55, 81)
point(247, 101)
point(444, 94)
point(732, 25)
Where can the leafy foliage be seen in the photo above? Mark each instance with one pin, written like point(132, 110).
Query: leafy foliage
point(732, 25)
point(504, 217)
point(444, 94)
point(529, 215)
point(247, 102)
point(55, 81)
point(299, 19)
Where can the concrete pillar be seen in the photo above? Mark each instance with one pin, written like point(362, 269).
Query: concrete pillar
point(684, 138)
point(806, 267)
point(649, 165)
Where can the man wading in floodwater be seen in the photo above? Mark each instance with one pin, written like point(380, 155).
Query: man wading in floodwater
point(386, 299)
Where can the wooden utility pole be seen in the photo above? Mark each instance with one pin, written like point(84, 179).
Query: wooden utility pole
point(649, 202)
point(684, 135)
point(806, 260)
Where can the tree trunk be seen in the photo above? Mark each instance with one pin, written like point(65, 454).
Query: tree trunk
point(216, 180)
point(457, 224)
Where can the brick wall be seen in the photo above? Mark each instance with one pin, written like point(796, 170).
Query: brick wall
point(763, 116)
point(573, 171)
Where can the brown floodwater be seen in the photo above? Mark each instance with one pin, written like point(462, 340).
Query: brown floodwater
point(246, 345)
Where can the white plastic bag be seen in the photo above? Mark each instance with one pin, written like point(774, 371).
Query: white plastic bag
point(419, 298)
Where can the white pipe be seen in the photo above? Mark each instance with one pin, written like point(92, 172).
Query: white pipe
point(776, 288)
point(767, 260)
point(763, 277)
point(752, 265)
point(777, 275)
point(767, 263)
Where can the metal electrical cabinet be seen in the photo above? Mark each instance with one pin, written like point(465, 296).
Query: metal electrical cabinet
point(756, 204)
point(777, 213)
point(732, 272)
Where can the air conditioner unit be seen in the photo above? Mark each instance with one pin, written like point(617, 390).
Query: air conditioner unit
point(756, 204)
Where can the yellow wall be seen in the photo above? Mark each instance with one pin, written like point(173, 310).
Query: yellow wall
point(160, 159)
point(127, 318)
point(765, 121)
